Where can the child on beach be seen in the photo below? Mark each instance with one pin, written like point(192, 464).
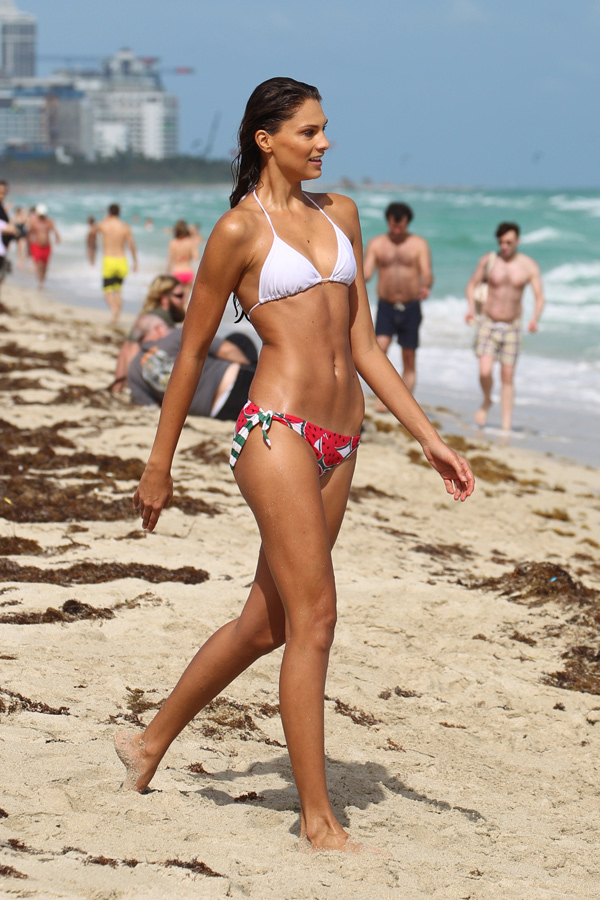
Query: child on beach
point(293, 260)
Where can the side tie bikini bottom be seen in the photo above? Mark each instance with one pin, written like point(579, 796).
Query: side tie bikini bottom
point(330, 448)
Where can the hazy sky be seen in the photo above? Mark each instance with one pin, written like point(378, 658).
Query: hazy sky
point(456, 92)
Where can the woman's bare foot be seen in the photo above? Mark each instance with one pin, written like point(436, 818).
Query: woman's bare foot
point(482, 414)
point(341, 843)
point(139, 766)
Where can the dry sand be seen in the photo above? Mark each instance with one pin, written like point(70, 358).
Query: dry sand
point(447, 748)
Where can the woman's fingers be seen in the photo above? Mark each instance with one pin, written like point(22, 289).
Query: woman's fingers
point(151, 497)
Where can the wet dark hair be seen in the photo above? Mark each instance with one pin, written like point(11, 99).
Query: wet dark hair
point(505, 227)
point(270, 105)
point(114, 209)
point(399, 211)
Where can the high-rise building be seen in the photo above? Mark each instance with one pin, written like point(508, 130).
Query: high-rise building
point(18, 31)
point(132, 111)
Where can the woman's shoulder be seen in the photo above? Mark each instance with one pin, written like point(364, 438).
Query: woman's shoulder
point(342, 209)
point(328, 200)
point(236, 225)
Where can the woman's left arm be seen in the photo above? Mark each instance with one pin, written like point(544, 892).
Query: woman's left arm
point(375, 368)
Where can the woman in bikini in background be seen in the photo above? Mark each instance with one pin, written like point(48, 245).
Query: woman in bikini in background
point(294, 263)
point(183, 254)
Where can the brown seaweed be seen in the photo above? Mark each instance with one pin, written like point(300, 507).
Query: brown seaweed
point(79, 393)
point(195, 866)
point(14, 546)
point(136, 702)
point(10, 872)
point(18, 702)
point(32, 359)
point(368, 492)
point(444, 551)
point(208, 451)
point(535, 584)
point(358, 716)
point(246, 798)
point(98, 573)
point(70, 611)
point(560, 514)
point(20, 384)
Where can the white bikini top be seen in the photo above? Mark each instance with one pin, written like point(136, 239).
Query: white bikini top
point(286, 271)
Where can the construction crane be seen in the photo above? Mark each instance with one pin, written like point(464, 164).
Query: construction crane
point(149, 61)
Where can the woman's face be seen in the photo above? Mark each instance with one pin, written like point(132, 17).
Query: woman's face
point(299, 145)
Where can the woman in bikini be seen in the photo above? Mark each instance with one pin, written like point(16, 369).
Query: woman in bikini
point(294, 263)
point(183, 256)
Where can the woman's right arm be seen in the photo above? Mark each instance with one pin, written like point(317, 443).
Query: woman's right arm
point(222, 265)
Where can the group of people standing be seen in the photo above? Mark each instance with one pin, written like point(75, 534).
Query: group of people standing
point(33, 232)
point(494, 296)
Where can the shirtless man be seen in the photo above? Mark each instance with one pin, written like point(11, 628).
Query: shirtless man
point(116, 236)
point(405, 279)
point(40, 230)
point(499, 323)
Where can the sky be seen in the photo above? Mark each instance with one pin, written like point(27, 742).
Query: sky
point(427, 92)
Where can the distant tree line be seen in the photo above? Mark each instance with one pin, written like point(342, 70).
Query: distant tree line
point(121, 169)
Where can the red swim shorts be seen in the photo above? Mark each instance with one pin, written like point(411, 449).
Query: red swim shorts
point(40, 253)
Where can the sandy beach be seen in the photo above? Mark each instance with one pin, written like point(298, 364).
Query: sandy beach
point(463, 698)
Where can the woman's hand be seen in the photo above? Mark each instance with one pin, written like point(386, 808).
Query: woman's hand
point(453, 468)
point(154, 493)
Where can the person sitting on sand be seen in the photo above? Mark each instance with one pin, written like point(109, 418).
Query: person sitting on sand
point(293, 261)
point(183, 253)
point(116, 237)
point(41, 229)
point(499, 332)
point(223, 387)
point(163, 308)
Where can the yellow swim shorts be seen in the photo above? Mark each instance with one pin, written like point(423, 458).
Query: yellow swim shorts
point(114, 270)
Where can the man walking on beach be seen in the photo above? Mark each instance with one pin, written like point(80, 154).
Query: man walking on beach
point(499, 334)
point(40, 247)
point(405, 279)
point(116, 236)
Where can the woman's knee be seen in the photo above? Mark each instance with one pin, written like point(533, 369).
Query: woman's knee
point(315, 628)
point(260, 639)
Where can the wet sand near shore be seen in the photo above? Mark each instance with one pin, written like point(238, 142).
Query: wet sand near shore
point(463, 699)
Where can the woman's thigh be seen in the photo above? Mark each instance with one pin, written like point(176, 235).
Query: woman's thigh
point(298, 514)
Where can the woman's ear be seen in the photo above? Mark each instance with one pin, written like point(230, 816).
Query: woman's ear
point(263, 140)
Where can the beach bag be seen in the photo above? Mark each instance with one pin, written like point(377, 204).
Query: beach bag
point(481, 290)
point(156, 368)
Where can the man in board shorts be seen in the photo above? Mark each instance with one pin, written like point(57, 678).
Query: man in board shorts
point(116, 237)
point(499, 334)
point(405, 279)
point(41, 228)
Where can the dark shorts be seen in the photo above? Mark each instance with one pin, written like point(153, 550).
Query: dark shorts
point(241, 386)
point(402, 320)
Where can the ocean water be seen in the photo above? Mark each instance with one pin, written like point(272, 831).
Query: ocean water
point(558, 374)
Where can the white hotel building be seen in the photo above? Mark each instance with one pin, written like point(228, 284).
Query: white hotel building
point(119, 107)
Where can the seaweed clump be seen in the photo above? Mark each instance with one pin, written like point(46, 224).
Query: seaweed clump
point(534, 584)
point(18, 702)
point(98, 573)
point(70, 611)
point(358, 716)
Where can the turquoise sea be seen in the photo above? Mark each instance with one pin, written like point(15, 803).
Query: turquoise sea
point(558, 376)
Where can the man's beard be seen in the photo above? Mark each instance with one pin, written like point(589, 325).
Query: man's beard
point(177, 311)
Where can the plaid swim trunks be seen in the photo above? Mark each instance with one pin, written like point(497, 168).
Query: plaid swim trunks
point(502, 340)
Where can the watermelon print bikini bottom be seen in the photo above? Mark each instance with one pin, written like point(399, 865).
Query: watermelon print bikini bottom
point(330, 448)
